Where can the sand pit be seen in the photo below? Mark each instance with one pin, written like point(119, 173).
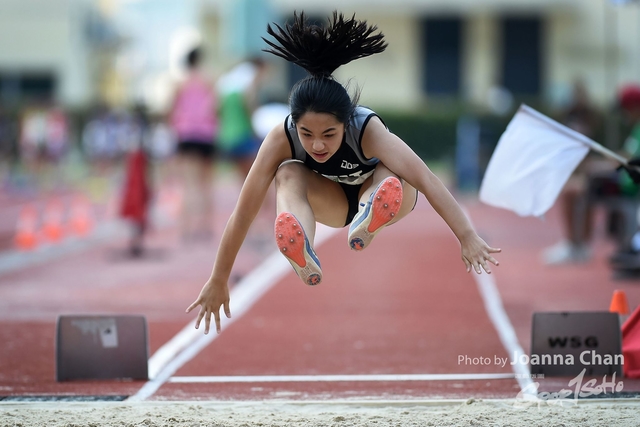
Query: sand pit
point(594, 412)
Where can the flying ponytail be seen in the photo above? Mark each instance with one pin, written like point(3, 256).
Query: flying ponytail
point(321, 51)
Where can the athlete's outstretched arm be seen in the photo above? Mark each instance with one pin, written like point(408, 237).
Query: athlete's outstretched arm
point(396, 155)
point(215, 292)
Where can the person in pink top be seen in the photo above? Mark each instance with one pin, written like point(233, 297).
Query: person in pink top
point(193, 118)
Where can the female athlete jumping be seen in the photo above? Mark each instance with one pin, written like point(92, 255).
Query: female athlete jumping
point(334, 162)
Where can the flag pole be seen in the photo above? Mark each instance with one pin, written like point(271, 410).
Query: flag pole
point(608, 153)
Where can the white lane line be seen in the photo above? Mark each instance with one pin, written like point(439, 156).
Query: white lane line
point(495, 310)
point(190, 341)
point(339, 378)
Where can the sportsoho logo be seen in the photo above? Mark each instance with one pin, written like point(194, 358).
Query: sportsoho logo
point(577, 389)
point(347, 165)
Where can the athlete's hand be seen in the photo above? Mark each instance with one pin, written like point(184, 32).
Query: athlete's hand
point(212, 296)
point(476, 253)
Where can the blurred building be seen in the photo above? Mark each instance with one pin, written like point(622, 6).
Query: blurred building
point(55, 50)
point(457, 52)
point(464, 49)
point(469, 51)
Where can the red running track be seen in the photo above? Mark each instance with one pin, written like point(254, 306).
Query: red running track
point(405, 306)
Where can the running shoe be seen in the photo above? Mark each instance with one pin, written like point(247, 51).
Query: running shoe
point(294, 245)
point(373, 216)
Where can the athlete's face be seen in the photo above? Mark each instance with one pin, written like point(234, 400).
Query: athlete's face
point(320, 134)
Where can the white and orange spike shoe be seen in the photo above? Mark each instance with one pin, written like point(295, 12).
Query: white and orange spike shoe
point(383, 205)
point(294, 245)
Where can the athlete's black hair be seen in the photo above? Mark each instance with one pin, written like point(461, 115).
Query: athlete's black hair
point(321, 51)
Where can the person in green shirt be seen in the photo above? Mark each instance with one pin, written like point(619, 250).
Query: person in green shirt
point(629, 98)
point(238, 92)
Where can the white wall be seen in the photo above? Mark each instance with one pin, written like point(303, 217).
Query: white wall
point(46, 36)
point(389, 79)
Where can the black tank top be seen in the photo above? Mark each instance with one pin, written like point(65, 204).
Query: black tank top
point(348, 165)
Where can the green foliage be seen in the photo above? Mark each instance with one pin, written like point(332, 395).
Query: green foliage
point(433, 135)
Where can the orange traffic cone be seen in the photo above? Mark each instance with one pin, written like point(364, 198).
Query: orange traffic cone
point(52, 222)
point(619, 303)
point(81, 217)
point(25, 238)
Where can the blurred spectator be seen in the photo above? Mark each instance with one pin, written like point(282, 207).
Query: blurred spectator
point(8, 142)
point(136, 193)
point(629, 99)
point(57, 134)
point(43, 141)
point(629, 182)
point(160, 144)
point(617, 190)
point(100, 139)
point(238, 90)
point(194, 121)
point(576, 211)
point(160, 141)
point(108, 136)
point(33, 131)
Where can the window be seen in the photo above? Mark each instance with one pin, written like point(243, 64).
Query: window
point(17, 87)
point(521, 60)
point(442, 59)
point(37, 86)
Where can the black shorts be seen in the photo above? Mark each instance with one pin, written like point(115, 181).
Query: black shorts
point(200, 149)
point(352, 192)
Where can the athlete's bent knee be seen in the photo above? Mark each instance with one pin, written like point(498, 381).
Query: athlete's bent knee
point(290, 170)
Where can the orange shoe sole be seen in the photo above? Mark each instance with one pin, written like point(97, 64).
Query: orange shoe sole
point(382, 207)
point(294, 245)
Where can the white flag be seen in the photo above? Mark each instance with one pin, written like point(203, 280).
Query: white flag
point(531, 163)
